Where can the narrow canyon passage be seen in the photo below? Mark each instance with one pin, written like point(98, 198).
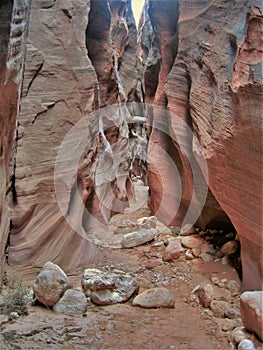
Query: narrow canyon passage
point(133, 146)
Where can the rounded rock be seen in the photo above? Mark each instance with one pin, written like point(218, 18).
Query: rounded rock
point(50, 284)
point(72, 302)
point(155, 298)
point(246, 344)
point(229, 248)
point(191, 242)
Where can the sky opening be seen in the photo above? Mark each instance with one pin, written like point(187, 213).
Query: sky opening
point(137, 7)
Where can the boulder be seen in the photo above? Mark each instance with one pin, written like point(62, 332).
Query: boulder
point(173, 251)
point(140, 237)
point(50, 284)
point(155, 298)
point(106, 288)
point(229, 248)
point(72, 302)
point(251, 308)
point(191, 242)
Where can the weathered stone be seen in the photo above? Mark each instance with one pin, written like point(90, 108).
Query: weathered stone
point(147, 222)
point(230, 324)
point(155, 298)
point(50, 284)
point(140, 237)
point(173, 251)
point(106, 288)
point(251, 308)
point(151, 264)
point(233, 286)
point(206, 257)
point(205, 293)
point(72, 302)
point(229, 248)
point(246, 344)
point(239, 334)
point(191, 242)
point(232, 313)
point(218, 307)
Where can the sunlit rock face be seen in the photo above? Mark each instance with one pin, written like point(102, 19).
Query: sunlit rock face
point(214, 85)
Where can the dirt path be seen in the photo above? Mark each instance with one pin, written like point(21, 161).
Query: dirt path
point(123, 326)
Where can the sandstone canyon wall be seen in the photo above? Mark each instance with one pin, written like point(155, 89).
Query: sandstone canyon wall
point(197, 68)
point(214, 86)
point(63, 82)
point(13, 27)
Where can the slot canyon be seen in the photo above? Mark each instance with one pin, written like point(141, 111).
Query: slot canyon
point(132, 147)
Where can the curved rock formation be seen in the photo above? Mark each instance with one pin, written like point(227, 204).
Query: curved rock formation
point(13, 24)
point(202, 84)
point(59, 89)
point(215, 87)
point(86, 59)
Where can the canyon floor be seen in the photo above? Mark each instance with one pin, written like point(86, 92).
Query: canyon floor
point(123, 326)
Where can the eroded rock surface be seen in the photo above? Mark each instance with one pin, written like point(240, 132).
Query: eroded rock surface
point(13, 27)
point(72, 302)
point(107, 288)
point(50, 284)
point(139, 237)
point(214, 90)
point(155, 297)
point(251, 307)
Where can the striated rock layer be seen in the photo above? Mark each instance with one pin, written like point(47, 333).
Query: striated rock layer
point(215, 87)
point(59, 89)
point(202, 85)
point(86, 59)
point(13, 25)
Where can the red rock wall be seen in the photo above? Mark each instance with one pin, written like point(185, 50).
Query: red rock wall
point(12, 30)
point(201, 67)
point(59, 89)
point(85, 58)
point(215, 87)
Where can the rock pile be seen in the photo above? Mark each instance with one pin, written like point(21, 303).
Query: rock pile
point(221, 298)
point(54, 289)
